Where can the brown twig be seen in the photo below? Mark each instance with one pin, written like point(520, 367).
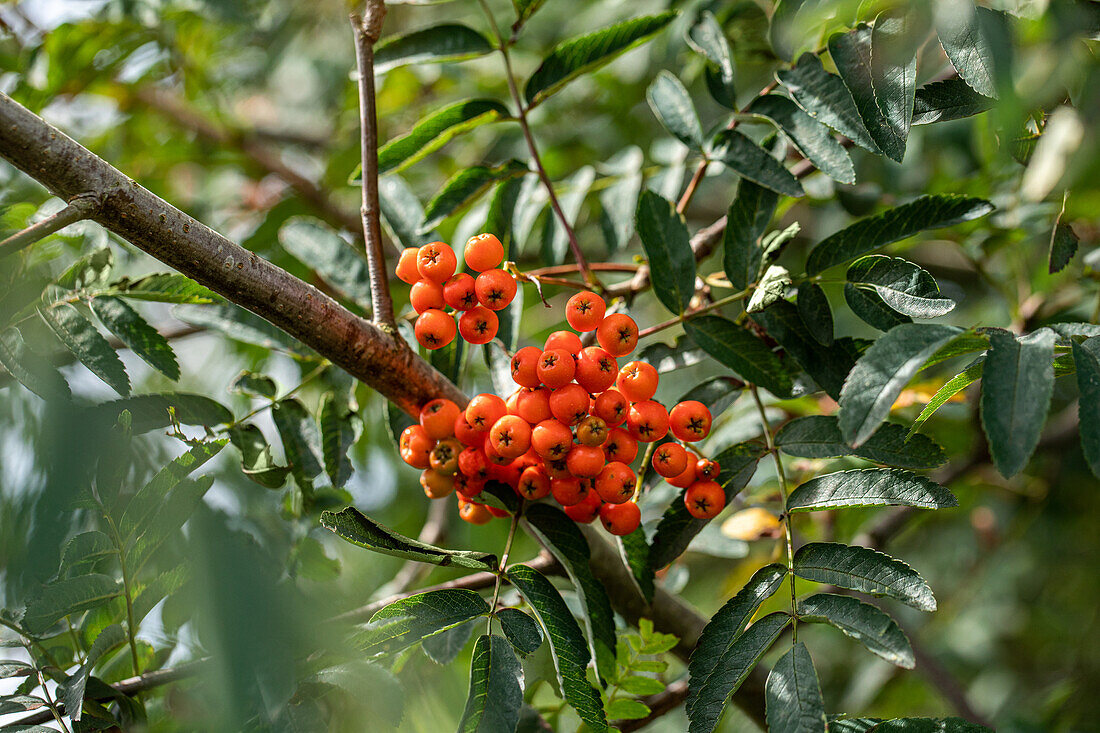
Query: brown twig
point(81, 207)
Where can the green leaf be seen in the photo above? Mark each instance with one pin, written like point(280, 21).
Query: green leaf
point(731, 669)
point(20, 704)
point(496, 688)
point(772, 287)
point(869, 487)
point(410, 620)
point(814, 310)
point(502, 210)
point(301, 440)
point(463, 188)
point(521, 630)
point(525, 9)
point(402, 212)
point(167, 519)
point(359, 529)
point(159, 588)
point(567, 645)
point(30, 369)
point(751, 161)
point(825, 98)
point(926, 725)
point(853, 725)
point(254, 385)
point(737, 348)
point(637, 685)
point(134, 331)
point(635, 551)
point(71, 595)
point(746, 221)
point(240, 325)
point(580, 55)
point(87, 344)
point(818, 436)
point(851, 52)
point(951, 387)
point(562, 537)
point(903, 286)
point(619, 201)
point(444, 647)
point(950, 99)
point(671, 103)
point(151, 411)
point(1016, 391)
point(1087, 358)
point(338, 431)
point(717, 393)
point(435, 44)
point(109, 638)
point(382, 695)
point(89, 271)
point(1063, 245)
point(436, 130)
point(861, 621)
point(726, 626)
point(162, 287)
point(150, 498)
point(865, 570)
point(319, 247)
point(894, 225)
point(667, 246)
point(85, 549)
point(882, 372)
point(623, 708)
point(706, 37)
point(829, 366)
point(812, 138)
point(793, 695)
point(872, 309)
point(968, 35)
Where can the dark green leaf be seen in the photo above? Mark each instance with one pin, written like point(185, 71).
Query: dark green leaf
point(570, 653)
point(853, 725)
point(861, 621)
point(71, 595)
point(580, 55)
point(708, 39)
point(717, 393)
point(811, 137)
point(151, 411)
point(463, 188)
point(410, 620)
point(867, 235)
point(950, 388)
point(359, 529)
point(746, 221)
point(87, 344)
point(85, 549)
point(969, 36)
point(737, 348)
point(772, 288)
point(1063, 245)
point(905, 287)
point(896, 38)
point(338, 429)
point(20, 704)
point(436, 130)
point(444, 647)
point(793, 694)
point(818, 436)
point(301, 440)
point(496, 688)
point(865, 570)
point(436, 44)
point(665, 358)
point(320, 248)
point(813, 308)
point(1016, 391)
point(30, 369)
point(872, 309)
point(926, 725)
point(828, 366)
point(89, 271)
point(882, 372)
point(133, 330)
point(825, 98)
point(150, 498)
point(869, 487)
point(672, 105)
point(668, 247)
point(950, 99)
point(1087, 357)
point(14, 668)
point(502, 211)
point(107, 639)
point(255, 385)
point(635, 551)
point(851, 52)
point(522, 630)
point(751, 161)
point(525, 9)
point(162, 287)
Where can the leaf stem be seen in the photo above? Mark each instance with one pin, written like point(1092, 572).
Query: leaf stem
point(693, 186)
point(79, 208)
point(50, 701)
point(689, 314)
point(503, 565)
point(646, 458)
point(130, 630)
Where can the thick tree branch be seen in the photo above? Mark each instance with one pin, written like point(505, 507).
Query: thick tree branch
point(78, 209)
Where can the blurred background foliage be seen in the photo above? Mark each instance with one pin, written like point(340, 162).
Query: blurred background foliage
point(180, 95)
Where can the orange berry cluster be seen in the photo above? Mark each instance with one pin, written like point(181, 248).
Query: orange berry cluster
point(431, 272)
point(572, 428)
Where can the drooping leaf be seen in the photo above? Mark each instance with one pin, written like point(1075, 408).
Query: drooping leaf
point(338, 432)
point(818, 436)
point(150, 498)
point(436, 130)
point(861, 621)
point(300, 437)
point(635, 551)
point(567, 645)
point(463, 188)
point(667, 245)
point(31, 370)
point(793, 694)
point(107, 639)
point(872, 309)
point(134, 331)
point(968, 36)
point(671, 103)
point(87, 344)
point(894, 225)
point(496, 688)
point(825, 98)
point(772, 287)
point(436, 44)
point(1063, 245)
point(950, 99)
point(317, 246)
point(1016, 389)
point(521, 630)
point(950, 388)
point(162, 287)
point(828, 366)
point(410, 620)
point(746, 221)
point(865, 570)
point(812, 138)
point(751, 161)
point(359, 529)
point(905, 287)
point(869, 487)
point(708, 39)
point(83, 551)
point(155, 411)
point(817, 316)
point(737, 348)
point(70, 595)
point(444, 647)
point(882, 372)
point(851, 52)
point(1087, 358)
point(580, 55)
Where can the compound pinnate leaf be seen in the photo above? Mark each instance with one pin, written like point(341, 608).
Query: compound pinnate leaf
point(496, 688)
point(737, 348)
point(63, 597)
point(818, 436)
point(825, 98)
point(950, 99)
point(672, 104)
point(1087, 358)
point(134, 331)
point(793, 695)
point(903, 286)
point(154, 411)
point(851, 52)
point(869, 487)
point(162, 287)
point(87, 344)
point(870, 626)
point(409, 620)
point(74, 687)
point(812, 138)
point(462, 188)
point(865, 570)
point(436, 130)
point(436, 44)
point(751, 161)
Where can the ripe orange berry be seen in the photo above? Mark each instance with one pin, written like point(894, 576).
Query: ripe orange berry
point(436, 485)
point(495, 459)
point(704, 499)
point(444, 456)
point(567, 340)
point(690, 421)
point(584, 461)
point(533, 405)
point(618, 334)
point(415, 445)
point(507, 473)
point(707, 469)
point(592, 431)
point(525, 367)
point(484, 410)
point(466, 434)
point(436, 262)
point(426, 295)
point(637, 381)
point(495, 289)
point(685, 479)
point(534, 483)
point(669, 460)
point(458, 292)
point(568, 491)
point(556, 467)
point(621, 519)
point(473, 464)
point(610, 406)
point(569, 404)
point(483, 252)
point(434, 329)
point(596, 369)
point(620, 446)
point(647, 421)
point(466, 487)
point(473, 512)
point(616, 483)
point(406, 266)
point(586, 509)
point(510, 436)
point(478, 325)
point(438, 418)
point(550, 439)
point(584, 311)
point(556, 368)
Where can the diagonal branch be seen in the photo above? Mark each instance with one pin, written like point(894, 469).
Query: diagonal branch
point(79, 208)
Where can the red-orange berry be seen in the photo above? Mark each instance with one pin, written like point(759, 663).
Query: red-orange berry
point(617, 334)
point(685, 479)
point(483, 252)
point(690, 421)
point(406, 266)
point(621, 519)
point(466, 434)
point(444, 456)
point(584, 311)
point(511, 436)
point(506, 473)
point(552, 440)
point(637, 381)
point(585, 461)
point(467, 487)
point(596, 369)
point(669, 460)
point(616, 483)
point(435, 329)
point(556, 368)
point(707, 469)
point(569, 404)
point(495, 289)
point(478, 325)
point(496, 512)
point(620, 446)
point(438, 418)
point(415, 446)
point(556, 467)
point(436, 262)
point(585, 510)
point(525, 367)
point(533, 405)
point(426, 295)
point(611, 406)
point(458, 292)
point(567, 340)
point(436, 485)
point(534, 483)
point(484, 410)
point(647, 421)
point(495, 459)
point(473, 464)
point(704, 499)
point(473, 512)
point(568, 491)
point(592, 431)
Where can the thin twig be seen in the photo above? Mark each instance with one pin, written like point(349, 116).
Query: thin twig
point(503, 566)
point(689, 314)
point(79, 208)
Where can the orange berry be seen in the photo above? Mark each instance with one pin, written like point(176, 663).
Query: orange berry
point(707, 469)
point(415, 446)
point(483, 252)
point(550, 439)
point(690, 421)
point(466, 434)
point(473, 512)
point(637, 381)
point(569, 404)
point(436, 485)
point(533, 405)
point(669, 460)
point(567, 340)
point(704, 499)
point(458, 292)
point(586, 509)
point(618, 334)
point(466, 487)
point(436, 262)
point(426, 295)
point(568, 491)
point(620, 446)
point(511, 436)
point(685, 479)
point(556, 368)
point(592, 431)
point(616, 483)
point(495, 289)
point(444, 456)
point(478, 325)
point(585, 461)
point(647, 421)
point(611, 406)
point(473, 464)
point(525, 367)
point(584, 311)
point(435, 329)
point(406, 266)
point(596, 369)
point(438, 418)
point(556, 467)
point(621, 519)
point(534, 483)
point(484, 410)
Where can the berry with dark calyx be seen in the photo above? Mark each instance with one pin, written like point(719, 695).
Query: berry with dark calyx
point(621, 519)
point(568, 491)
point(690, 421)
point(647, 421)
point(707, 469)
point(436, 262)
point(704, 499)
point(556, 467)
point(592, 431)
point(484, 410)
point(611, 407)
point(620, 446)
point(587, 509)
point(596, 369)
point(467, 435)
point(556, 368)
point(566, 340)
point(494, 458)
point(426, 295)
point(444, 456)
point(637, 381)
point(533, 405)
point(415, 446)
point(466, 487)
point(483, 252)
point(436, 485)
point(534, 483)
point(616, 483)
point(585, 461)
point(438, 418)
point(525, 367)
point(495, 289)
point(670, 460)
point(473, 464)
point(473, 512)
point(406, 266)
point(617, 334)
point(551, 439)
point(510, 436)
point(584, 311)
point(435, 329)
point(569, 404)
point(478, 325)
point(458, 292)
